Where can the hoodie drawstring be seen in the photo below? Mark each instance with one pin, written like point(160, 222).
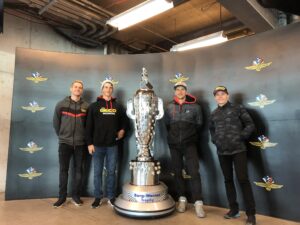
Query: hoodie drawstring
point(111, 106)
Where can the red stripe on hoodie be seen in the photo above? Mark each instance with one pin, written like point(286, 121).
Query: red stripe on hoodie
point(73, 115)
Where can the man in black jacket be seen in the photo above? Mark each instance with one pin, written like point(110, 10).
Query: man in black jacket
point(230, 126)
point(184, 119)
point(69, 124)
point(105, 126)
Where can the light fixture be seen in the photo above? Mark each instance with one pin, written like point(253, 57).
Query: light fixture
point(140, 13)
point(208, 40)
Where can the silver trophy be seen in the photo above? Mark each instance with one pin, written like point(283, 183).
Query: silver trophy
point(145, 196)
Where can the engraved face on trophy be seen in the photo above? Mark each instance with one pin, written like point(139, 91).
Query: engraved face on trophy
point(145, 108)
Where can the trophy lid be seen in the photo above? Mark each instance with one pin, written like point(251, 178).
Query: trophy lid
point(145, 84)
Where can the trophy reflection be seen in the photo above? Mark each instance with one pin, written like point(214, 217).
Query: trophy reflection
point(145, 195)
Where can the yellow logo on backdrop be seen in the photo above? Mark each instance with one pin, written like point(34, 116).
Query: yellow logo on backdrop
point(30, 174)
point(268, 183)
point(36, 77)
point(31, 147)
point(33, 107)
point(258, 64)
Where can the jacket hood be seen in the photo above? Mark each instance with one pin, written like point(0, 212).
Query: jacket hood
point(109, 104)
point(69, 100)
point(100, 98)
point(225, 106)
point(189, 99)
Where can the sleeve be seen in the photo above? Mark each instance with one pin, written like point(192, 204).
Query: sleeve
point(89, 126)
point(199, 117)
point(211, 127)
point(123, 121)
point(167, 118)
point(57, 118)
point(247, 123)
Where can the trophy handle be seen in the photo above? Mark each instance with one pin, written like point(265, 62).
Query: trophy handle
point(130, 110)
point(160, 108)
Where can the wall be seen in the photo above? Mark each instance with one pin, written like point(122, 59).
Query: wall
point(208, 67)
point(23, 33)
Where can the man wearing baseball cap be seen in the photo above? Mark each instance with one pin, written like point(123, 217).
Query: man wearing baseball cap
point(184, 119)
point(230, 126)
point(105, 126)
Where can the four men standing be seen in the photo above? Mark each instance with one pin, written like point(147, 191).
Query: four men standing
point(230, 126)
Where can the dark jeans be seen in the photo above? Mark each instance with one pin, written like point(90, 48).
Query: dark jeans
point(239, 161)
point(110, 154)
point(189, 152)
point(65, 154)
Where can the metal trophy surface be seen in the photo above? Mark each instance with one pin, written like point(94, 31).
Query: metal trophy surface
point(144, 196)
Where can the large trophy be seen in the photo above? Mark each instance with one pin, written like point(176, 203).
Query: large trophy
point(144, 196)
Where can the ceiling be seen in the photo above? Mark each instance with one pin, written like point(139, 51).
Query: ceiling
point(83, 22)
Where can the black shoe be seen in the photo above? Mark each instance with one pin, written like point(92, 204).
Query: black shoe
point(96, 203)
point(251, 220)
point(76, 201)
point(111, 202)
point(232, 214)
point(59, 202)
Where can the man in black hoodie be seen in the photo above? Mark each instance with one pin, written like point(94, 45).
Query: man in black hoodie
point(105, 126)
point(69, 124)
point(230, 126)
point(184, 119)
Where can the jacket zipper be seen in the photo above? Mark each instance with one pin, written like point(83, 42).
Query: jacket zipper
point(180, 110)
point(74, 127)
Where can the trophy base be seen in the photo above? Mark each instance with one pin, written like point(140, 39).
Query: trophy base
point(144, 201)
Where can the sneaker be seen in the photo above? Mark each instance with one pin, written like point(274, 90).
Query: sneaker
point(199, 209)
point(251, 220)
point(59, 202)
point(111, 202)
point(232, 214)
point(182, 203)
point(77, 201)
point(97, 202)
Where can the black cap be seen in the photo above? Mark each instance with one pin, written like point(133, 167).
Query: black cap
point(220, 88)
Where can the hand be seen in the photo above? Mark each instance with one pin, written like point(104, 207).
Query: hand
point(91, 149)
point(121, 134)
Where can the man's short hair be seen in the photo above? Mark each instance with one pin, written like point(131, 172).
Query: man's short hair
point(77, 81)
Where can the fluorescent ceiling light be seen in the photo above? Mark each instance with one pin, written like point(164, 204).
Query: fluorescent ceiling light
point(208, 40)
point(140, 13)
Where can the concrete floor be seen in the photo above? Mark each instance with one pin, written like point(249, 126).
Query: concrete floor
point(40, 212)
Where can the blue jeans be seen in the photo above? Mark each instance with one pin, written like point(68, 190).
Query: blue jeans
point(110, 154)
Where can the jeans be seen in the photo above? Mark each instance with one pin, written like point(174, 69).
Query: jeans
point(65, 154)
point(110, 154)
point(239, 161)
point(189, 152)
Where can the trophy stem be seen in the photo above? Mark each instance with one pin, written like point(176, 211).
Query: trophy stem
point(144, 154)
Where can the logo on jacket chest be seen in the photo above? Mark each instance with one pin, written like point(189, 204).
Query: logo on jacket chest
point(105, 111)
